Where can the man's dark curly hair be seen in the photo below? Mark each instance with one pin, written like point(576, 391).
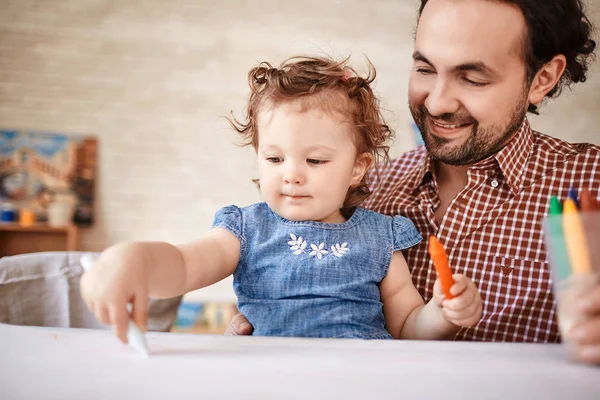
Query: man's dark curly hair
point(555, 27)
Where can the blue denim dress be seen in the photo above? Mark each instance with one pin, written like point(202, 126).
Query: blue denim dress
point(314, 279)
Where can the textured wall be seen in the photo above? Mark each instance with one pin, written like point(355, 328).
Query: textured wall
point(153, 80)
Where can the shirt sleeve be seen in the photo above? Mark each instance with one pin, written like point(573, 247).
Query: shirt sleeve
point(229, 218)
point(404, 232)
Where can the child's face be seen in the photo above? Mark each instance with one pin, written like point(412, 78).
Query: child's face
point(306, 161)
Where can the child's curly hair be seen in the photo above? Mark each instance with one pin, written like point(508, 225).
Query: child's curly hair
point(327, 84)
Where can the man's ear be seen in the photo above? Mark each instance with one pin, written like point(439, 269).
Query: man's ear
point(547, 78)
point(361, 166)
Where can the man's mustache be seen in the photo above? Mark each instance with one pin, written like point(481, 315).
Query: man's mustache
point(446, 118)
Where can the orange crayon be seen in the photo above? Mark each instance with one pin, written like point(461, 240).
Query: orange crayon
point(575, 238)
point(440, 262)
point(588, 202)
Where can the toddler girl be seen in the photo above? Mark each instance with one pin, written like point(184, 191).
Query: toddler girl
point(308, 261)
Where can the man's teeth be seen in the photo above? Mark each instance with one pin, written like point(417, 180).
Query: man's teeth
point(446, 126)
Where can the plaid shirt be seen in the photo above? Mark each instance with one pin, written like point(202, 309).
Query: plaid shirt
point(492, 230)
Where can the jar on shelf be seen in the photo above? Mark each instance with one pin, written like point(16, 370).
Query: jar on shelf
point(26, 217)
point(8, 212)
point(61, 208)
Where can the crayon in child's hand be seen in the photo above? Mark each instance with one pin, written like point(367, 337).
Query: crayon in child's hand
point(135, 336)
point(440, 262)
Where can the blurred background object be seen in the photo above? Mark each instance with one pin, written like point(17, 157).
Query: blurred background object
point(42, 289)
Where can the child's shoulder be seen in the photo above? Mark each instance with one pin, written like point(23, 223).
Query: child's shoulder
point(374, 215)
point(397, 222)
point(400, 230)
point(254, 214)
point(243, 220)
point(255, 208)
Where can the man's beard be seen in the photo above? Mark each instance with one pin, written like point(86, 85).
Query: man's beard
point(481, 143)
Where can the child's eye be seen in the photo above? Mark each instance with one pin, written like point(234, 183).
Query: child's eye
point(274, 160)
point(315, 161)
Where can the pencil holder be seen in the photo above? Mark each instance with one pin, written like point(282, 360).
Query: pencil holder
point(573, 248)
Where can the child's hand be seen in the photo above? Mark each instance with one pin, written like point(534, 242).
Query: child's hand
point(116, 279)
point(465, 309)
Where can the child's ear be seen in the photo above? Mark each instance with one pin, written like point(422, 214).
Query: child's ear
point(361, 166)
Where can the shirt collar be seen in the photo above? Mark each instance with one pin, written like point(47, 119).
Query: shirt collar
point(511, 160)
point(422, 173)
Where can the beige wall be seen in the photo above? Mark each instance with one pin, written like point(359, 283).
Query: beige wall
point(153, 80)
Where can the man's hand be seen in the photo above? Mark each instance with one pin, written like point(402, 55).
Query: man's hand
point(586, 335)
point(239, 325)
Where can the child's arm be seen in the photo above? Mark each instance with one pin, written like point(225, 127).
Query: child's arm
point(407, 317)
point(131, 272)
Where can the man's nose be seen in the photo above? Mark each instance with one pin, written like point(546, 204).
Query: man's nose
point(441, 100)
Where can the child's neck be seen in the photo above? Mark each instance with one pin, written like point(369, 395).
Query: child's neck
point(335, 218)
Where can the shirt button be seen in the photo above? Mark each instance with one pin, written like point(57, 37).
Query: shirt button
point(494, 183)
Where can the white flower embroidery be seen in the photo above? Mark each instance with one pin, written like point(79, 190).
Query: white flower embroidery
point(338, 250)
point(318, 251)
point(297, 244)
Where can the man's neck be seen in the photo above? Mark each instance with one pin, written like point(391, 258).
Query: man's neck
point(451, 179)
point(451, 175)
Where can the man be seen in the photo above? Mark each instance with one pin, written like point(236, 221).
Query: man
point(483, 183)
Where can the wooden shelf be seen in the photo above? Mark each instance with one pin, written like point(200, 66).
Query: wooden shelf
point(13, 227)
point(16, 239)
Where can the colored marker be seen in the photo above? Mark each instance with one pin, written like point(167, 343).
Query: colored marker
point(588, 202)
point(573, 195)
point(135, 336)
point(440, 262)
point(555, 206)
point(575, 238)
point(555, 240)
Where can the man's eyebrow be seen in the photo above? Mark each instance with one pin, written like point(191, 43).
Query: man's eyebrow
point(420, 57)
point(475, 66)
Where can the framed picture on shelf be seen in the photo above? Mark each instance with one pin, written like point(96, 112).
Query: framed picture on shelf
point(38, 169)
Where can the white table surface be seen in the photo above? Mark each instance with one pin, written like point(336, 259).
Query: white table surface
point(50, 363)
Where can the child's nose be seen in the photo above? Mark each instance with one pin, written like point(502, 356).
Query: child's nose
point(293, 176)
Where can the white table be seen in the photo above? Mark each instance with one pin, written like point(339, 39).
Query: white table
point(49, 363)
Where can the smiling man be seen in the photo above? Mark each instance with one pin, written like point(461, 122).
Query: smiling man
point(483, 181)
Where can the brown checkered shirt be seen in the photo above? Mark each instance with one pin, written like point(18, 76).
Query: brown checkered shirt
point(492, 230)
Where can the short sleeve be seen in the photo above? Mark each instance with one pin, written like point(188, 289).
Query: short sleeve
point(404, 232)
point(229, 218)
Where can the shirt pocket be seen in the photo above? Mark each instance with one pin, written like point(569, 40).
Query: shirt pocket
point(518, 302)
point(517, 283)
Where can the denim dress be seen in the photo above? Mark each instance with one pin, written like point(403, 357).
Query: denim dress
point(314, 279)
